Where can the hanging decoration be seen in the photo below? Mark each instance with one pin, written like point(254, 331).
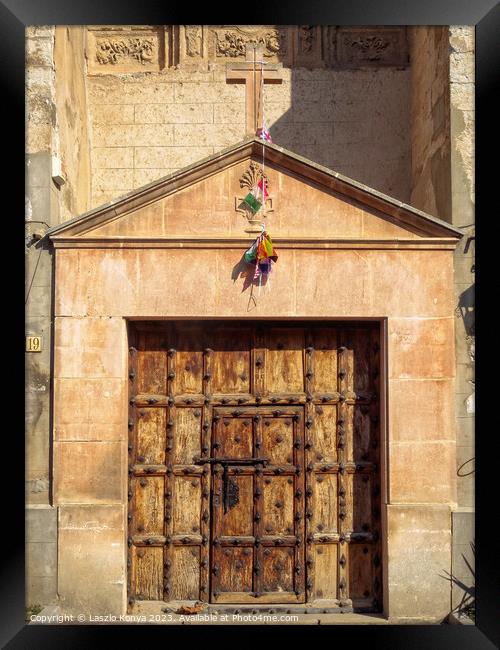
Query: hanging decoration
point(263, 254)
point(252, 200)
point(264, 134)
point(262, 185)
point(257, 197)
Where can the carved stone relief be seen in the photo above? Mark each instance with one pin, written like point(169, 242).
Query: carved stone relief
point(116, 50)
point(190, 47)
point(248, 181)
point(132, 49)
point(306, 38)
point(193, 36)
point(252, 176)
point(233, 43)
point(309, 48)
point(230, 42)
point(358, 47)
point(370, 47)
point(135, 48)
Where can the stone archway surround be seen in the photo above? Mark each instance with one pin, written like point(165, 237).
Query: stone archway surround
point(103, 279)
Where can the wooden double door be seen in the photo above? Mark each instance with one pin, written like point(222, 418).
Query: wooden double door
point(254, 463)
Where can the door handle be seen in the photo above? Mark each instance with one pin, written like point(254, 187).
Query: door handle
point(230, 491)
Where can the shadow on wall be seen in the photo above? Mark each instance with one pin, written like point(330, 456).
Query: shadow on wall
point(354, 121)
point(466, 308)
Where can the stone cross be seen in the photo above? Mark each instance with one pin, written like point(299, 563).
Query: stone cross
point(253, 73)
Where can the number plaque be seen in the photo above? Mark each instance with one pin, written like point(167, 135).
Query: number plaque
point(33, 344)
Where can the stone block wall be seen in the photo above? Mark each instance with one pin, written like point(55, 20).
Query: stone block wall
point(92, 517)
point(143, 129)
point(430, 121)
point(442, 69)
point(56, 150)
point(146, 121)
point(462, 116)
point(42, 211)
point(90, 460)
point(72, 134)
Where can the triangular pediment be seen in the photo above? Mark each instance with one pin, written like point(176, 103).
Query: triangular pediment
point(204, 202)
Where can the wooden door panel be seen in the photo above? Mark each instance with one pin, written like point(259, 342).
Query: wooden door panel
point(186, 573)
point(324, 342)
point(284, 360)
point(231, 361)
point(360, 571)
point(148, 572)
point(324, 434)
point(186, 505)
point(151, 436)
point(305, 526)
point(152, 364)
point(278, 570)
point(149, 505)
point(362, 503)
point(235, 437)
point(188, 361)
point(277, 440)
point(324, 513)
point(325, 571)
point(186, 434)
point(278, 505)
point(238, 520)
point(356, 360)
point(360, 438)
point(236, 571)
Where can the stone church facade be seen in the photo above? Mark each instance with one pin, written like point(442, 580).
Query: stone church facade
point(138, 146)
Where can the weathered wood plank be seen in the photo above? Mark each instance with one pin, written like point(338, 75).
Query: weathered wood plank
point(324, 504)
point(277, 570)
point(152, 365)
point(360, 571)
point(324, 342)
point(186, 505)
point(324, 432)
point(188, 361)
point(236, 573)
point(149, 505)
point(361, 503)
point(284, 360)
point(151, 436)
point(148, 573)
point(235, 437)
point(277, 439)
point(237, 521)
point(359, 439)
point(326, 565)
point(186, 573)
point(278, 505)
point(187, 434)
point(231, 360)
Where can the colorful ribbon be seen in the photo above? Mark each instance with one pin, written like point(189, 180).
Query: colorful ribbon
point(262, 254)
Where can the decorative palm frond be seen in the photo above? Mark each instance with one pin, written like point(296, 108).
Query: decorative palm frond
point(467, 604)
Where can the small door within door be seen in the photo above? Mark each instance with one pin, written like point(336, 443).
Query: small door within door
point(257, 505)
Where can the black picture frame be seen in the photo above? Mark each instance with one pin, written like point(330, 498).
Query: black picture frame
point(485, 14)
